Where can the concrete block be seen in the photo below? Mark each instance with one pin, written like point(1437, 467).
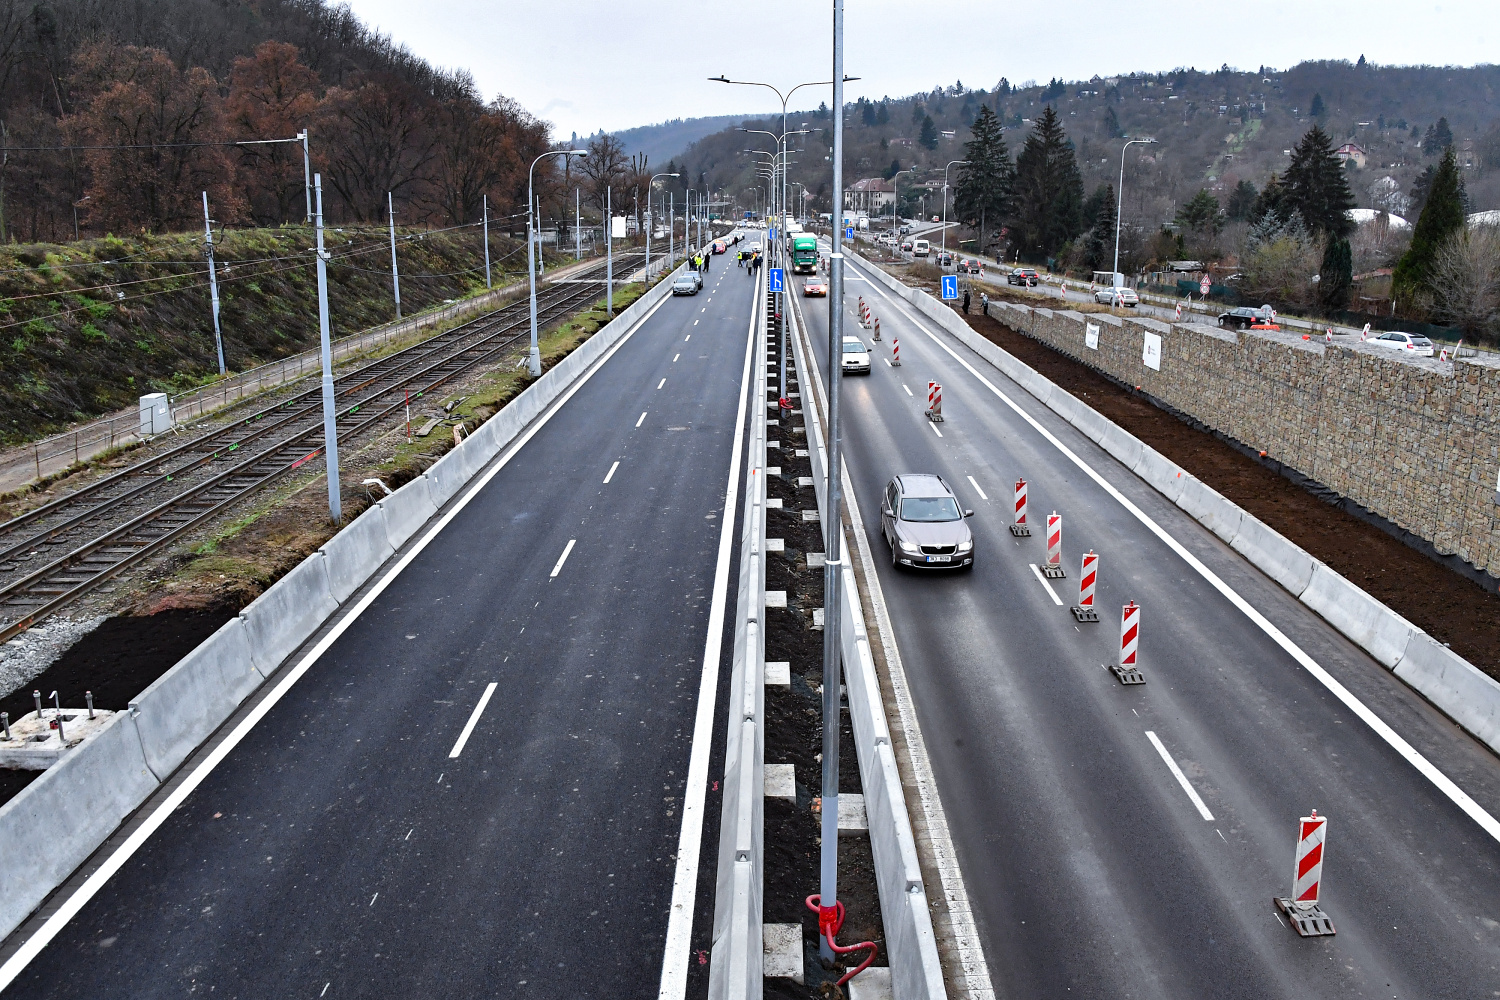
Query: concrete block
point(775, 544)
point(1123, 446)
point(872, 984)
point(1209, 508)
point(775, 598)
point(1273, 555)
point(356, 552)
point(184, 706)
point(1453, 684)
point(773, 503)
point(781, 782)
point(405, 511)
point(1163, 475)
point(782, 944)
point(779, 673)
point(283, 618)
point(1376, 628)
point(852, 819)
point(817, 560)
point(53, 824)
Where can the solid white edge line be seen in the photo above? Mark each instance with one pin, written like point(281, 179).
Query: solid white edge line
point(69, 907)
point(1037, 572)
point(562, 558)
point(1181, 778)
point(676, 953)
point(982, 494)
point(611, 473)
point(463, 737)
point(1426, 768)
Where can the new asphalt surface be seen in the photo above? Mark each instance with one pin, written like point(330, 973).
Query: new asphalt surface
point(1091, 870)
point(478, 790)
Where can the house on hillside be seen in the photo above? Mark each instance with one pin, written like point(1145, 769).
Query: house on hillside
point(869, 195)
point(1349, 151)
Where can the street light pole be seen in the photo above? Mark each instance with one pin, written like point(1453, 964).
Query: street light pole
point(535, 360)
point(306, 173)
point(650, 222)
point(330, 414)
point(485, 200)
point(1120, 205)
point(390, 214)
point(895, 216)
point(213, 280)
point(945, 204)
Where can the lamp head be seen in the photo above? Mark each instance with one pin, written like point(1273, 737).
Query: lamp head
point(721, 78)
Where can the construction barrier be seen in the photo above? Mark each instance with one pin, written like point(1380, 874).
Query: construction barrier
point(1053, 567)
point(1301, 908)
point(1019, 527)
point(895, 352)
point(1128, 670)
point(1088, 574)
point(877, 328)
point(934, 402)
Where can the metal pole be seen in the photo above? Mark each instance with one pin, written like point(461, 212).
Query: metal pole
point(577, 224)
point(671, 229)
point(390, 214)
point(486, 201)
point(833, 535)
point(1120, 204)
point(306, 173)
point(609, 252)
point(330, 419)
point(541, 260)
point(213, 280)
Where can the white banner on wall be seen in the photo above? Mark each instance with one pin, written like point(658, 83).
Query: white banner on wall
point(1091, 336)
point(1151, 353)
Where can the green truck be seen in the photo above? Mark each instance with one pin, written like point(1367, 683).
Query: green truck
point(804, 254)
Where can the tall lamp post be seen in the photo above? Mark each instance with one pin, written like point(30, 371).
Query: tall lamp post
point(649, 224)
point(1120, 205)
point(945, 203)
point(895, 213)
point(535, 364)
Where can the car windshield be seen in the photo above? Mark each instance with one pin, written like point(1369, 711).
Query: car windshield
point(854, 347)
point(930, 509)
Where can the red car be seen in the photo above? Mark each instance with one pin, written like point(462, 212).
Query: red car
point(814, 286)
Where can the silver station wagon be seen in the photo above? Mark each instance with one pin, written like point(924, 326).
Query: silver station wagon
point(924, 525)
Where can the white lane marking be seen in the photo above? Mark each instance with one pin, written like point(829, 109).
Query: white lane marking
point(373, 898)
point(463, 737)
point(695, 323)
point(888, 362)
point(611, 473)
point(904, 386)
point(325, 988)
point(1037, 572)
point(934, 428)
point(661, 383)
point(1444, 784)
point(1181, 778)
point(704, 309)
point(674, 966)
point(562, 558)
point(70, 907)
point(689, 336)
point(675, 357)
point(972, 483)
point(642, 420)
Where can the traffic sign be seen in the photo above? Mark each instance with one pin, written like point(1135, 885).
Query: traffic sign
point(773, 275)
point(950, 286)
point(1203, 286)
point(771, 235)
point(848, 232)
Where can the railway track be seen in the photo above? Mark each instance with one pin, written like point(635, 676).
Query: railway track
point(55, 554)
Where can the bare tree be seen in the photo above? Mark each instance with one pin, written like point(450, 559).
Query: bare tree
point(1465, 281)
point(605, 168)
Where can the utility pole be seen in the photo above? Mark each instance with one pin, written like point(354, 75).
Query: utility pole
point(330, 416)
point(486, 199)
point(671, 229)
point(609, 253)
point(306, 173)
point(828, 883)
point(541, 262)
point(213, 279)
point(577, 224)
point(390, 214)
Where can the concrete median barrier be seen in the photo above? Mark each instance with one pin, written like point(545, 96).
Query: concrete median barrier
point(1164, 475)
point(1210, 508)
point(355, 553)
point(1273, 555)
point(184, 706)
point(1379, 630)
point(405, 511)
point(1123, 446)
point(63, 816)
point(1453, 684)
point(447, 476)
point(283, 618)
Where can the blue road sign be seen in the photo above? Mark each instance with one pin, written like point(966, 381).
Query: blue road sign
point(771, 235)
point(848, 232)
point(950, 286)
point(773, 275)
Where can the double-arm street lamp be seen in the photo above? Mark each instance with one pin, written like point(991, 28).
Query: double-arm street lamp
point(536, 354)
point(1120, 205)
point(945, 203)
point(651, 222)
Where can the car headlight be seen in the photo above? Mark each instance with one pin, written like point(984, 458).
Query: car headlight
point(966, 546)
point(908, 546)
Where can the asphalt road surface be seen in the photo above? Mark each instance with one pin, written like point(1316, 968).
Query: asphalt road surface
point(1091, 869)
point(478, 790)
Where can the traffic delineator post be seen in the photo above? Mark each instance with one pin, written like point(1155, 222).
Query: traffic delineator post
point(934, 402)
point(1052, 568)
point(1088, 574)
point(877, 327)
point(1020, 528)
point(1301, 908)
point(1128, 670)
point(895, 352)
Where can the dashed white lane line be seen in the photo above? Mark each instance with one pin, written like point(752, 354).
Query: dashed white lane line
point(887, 362)
point(1036, 570)
point(611, 473)
point(695, 323)
point(934, 428)
point(562, 558)
point(904, 386)
point(675, 357)
point(463, 737)
point(982, 494)
point(689, 336)
point(642, 420)
point(1192, 793)
point(661, 383)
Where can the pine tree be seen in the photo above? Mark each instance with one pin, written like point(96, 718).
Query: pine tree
point(893, 169)
point(1112, 123)
point(982, 197)
point(1438, 138)
point(883, 113)
point(866, 113)
point(1442, 216)
point(1316, 186)
point(1099, 216)
point(1241, 201)
point(1317, 108)
point(822, 109)
point(1420, 188)
point(1336, 276)
point(929, 137)
point(1201, 214)
point(1049, 190)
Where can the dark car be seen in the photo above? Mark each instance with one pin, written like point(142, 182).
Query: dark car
point(944, 258)
point(924, 525)
point(1244, 317)
point(1022, 276)
point(968, 265)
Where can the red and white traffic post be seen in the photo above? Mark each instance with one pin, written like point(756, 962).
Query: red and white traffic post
point(1128, 670)
point(1301, 908)
point(934, 402)
point(1053, 568)
point(895, 352)
point(1088, 575)
point(1020, 528)
point(877, 327)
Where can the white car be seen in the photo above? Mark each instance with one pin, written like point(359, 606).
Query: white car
point(1126, 296)
point(1413, 343)
point(856, 356)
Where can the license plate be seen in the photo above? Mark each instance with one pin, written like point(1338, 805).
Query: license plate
point(933, 559)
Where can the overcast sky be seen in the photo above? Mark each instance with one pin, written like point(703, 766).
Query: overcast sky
point(584, 65)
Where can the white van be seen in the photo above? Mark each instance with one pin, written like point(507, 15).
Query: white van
point(920, 248)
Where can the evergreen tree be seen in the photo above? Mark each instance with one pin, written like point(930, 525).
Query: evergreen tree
point(1336, 276)
point(1438, 138)
point(1317, 110)
point(1420, 189)
point(917, 113)
point(822, 109)
point(1049, 190)
point(893, 169)
point(1272, 204)
point(1442, 216)
point(1098, 240)
point(929, 137)
point(883, 113)
point(1112, 123)
point(982, 196)
point(866, 113)
point(1241, 201)
point(1316, 186)
point(1201, 214)
point(1099, 205)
